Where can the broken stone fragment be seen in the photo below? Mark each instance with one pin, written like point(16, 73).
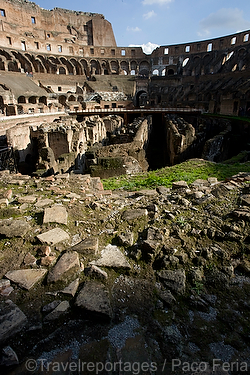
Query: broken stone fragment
point(174, 280)
point(67, 265)
point(4, 202)
point(134, 214)
point(179, 185)
point(87, 246)
point(94, 297)
point(44, 202)
point(53, 236)
point(12, 320)
point(8, 357)
point(26, 278)
point(29, 260)
point(14, 228)
point(111, 256)
point(44, 251)
point(27, 199)
point(48, 260)
point(95, 271)
point(56, 214)
point(60, 310)
point(126, 239)
point(50, 306)
point(71, 289)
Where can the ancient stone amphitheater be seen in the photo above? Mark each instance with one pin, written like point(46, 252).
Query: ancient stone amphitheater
point(62, 64)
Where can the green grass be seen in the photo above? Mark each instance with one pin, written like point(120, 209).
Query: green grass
point(188, 171)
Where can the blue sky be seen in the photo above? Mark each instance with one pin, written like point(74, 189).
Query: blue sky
point(164, 22)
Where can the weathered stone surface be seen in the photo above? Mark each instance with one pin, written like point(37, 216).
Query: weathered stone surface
point(174, 280)
point(56, 214)
point(245, 200)
point(27, 199)
point(48, 260)
point(53, 236)
point(44, 202)
point(12, 320)
point(26, 278)
point(134, 214)
point(60, 310)
point(29, 259)
point(14, 228)
point(179, 185)
point(163, 190)
point(111, 256)
point(95, 271)
point(71, 289)
point(242, 213)
point(9, 357)
point(68, 263)
point(51, 306)
point(94, 297)
point(126, 239)
point(87, 246)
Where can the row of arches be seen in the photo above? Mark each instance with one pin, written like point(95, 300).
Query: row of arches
point(18, 62)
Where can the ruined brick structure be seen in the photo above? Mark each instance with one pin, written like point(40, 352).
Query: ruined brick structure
point(54, 63)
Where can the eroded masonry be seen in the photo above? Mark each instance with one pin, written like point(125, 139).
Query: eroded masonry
point(65, 86)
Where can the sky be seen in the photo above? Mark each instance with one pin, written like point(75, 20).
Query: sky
point(152, 23)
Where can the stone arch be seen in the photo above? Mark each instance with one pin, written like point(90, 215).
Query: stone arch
point(80, 98)
point(37, 64)
point(21, 99)
point(13, 67)
point(62, 70)
point(114, 67)
point(6, 54)
point(141, 98)
point(105, 67)
point(85, 67)
point(24, 62)
point(45, 63)
point(32, 99)
point(54, 60)
point(43, 100)
point(133, 67)
point(77, 66)
point(69, 66)
point(1, 105)
point(71, 98)
point(170, 72)
point(95, 68)
point(125, 67)
point(144, 69)
point(62, 99)
point(2, 66)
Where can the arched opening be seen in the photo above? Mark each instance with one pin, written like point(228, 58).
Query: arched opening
point(62, 70)
point(62, 99)
point(155, 72)
point(163, 73)
point(21, 99)
point(85, 67)
point(43, 100)
point(80, 99)
point(1, 105)
point(170, 72)
point(71, 98)
point(32, 99)
point(12, 66)
point(141, 98)
point(2, 66)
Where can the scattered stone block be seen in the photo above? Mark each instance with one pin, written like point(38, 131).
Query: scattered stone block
point(111, 256)
point(67, 264)
point(53, 236)
point(44, 251)
point(174, 280)
point(71, 289)
point(56, 214)
point(94, 271)
point(12, 320)
point(134, 214)
point(51, 306)
point(4, 202)
point(60, 310)
point(26, 278)
point(30, 199)
point(126, 239)
point(179, 185)
point(48, 260)
point(43, 203)
point(29, 260)
point(87, 246)
point(94, 297)
point(14, 228)
point(73, 196)
point(9, 357)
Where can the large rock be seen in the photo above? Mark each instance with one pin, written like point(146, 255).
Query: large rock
point(26, 278)
point(60, 310)
point(87, 246)
point(174, 280)
point(53, 236)
point(134, 214)
point(94, 297)
point(111, 256)
point(67, 264)
point(55, 214)
point(14, 228)
point(12, 320)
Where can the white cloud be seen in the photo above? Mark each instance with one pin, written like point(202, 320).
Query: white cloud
point(147, 48)
point(133, 29)
point(160, 2)
point(224, 18)
point(148, 15)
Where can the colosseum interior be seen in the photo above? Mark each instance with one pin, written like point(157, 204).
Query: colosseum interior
point(67, 88)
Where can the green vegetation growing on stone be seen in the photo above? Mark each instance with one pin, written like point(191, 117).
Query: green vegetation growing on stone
point(188, 171)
